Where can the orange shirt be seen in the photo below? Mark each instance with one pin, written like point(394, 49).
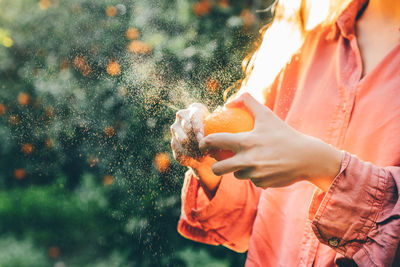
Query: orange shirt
point(320, 93)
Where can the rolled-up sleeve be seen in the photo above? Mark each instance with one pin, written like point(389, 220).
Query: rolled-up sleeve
point(359, 216)
point(227, 219)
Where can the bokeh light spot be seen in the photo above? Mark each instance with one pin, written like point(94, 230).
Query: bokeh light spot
point(23, 99)
point(19, 174)
point(201, 8)
point(111, 11)
point(113, 68)
point(27, 148)
point(44, 4)
point(139, 47)
point(108, 179)
point(3, 109)
point(132, 33)
point(162, 161)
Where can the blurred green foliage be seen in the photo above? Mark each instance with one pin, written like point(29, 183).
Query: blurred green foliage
point(87, 93)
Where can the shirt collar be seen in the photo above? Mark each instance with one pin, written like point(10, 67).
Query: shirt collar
point(347, 19)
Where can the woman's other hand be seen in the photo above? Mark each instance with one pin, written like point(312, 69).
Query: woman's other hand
point(187, 131)
point(273, 154)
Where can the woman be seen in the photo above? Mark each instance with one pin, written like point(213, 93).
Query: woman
point(316, 182)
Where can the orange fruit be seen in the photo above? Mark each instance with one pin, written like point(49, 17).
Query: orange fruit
point(132, 33)
point(23, 99)
point(3, 109)
point(111, 11)
point(162, 162)
point(139, 47)
point(227, 120)
point(201, 8)
point(27, 148)
point(19, 174)
point(44, 4)
point(113, 68)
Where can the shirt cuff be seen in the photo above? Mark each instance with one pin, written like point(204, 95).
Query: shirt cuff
point(214, 213)
point(343, 216)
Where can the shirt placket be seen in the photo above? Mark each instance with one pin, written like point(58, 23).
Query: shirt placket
point(348, 83)
point(309, 246)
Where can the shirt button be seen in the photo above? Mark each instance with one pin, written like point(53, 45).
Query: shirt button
point(344, 108)
point(333, 242)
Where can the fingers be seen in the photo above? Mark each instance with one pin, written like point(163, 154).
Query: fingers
point(178, 133)
point(196, 119)
point(177, 150)
point(191, 120)
point(229, 165)
point(251, 104)
point(224, 141)
point(182, 117)
point(186, 131)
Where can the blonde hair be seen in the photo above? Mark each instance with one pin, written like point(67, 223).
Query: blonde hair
point(283, 37)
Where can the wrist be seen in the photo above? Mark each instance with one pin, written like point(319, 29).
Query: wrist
point(324, 163)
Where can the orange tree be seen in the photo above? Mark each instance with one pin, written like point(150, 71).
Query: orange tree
point(88, 90)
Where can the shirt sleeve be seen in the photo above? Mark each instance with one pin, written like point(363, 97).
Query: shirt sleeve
point(227, 219)
point(359, 216)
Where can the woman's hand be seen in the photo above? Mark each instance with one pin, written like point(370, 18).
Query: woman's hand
point(187, 131)
point(273, 154)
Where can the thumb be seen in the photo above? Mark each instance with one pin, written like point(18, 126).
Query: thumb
point(249, 103)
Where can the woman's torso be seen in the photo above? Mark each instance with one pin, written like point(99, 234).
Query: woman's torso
point(321, 93)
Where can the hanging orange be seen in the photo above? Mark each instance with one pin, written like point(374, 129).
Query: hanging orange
point(23, 99)
point(132, 33)
point(27, 148)
point(201, 8)
point(162, 162)
point(19, 174)
point(227, 120)
point(3, 109)
point(111, 11)
point(113, 68)
point(44, 4)
point(139, 47)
